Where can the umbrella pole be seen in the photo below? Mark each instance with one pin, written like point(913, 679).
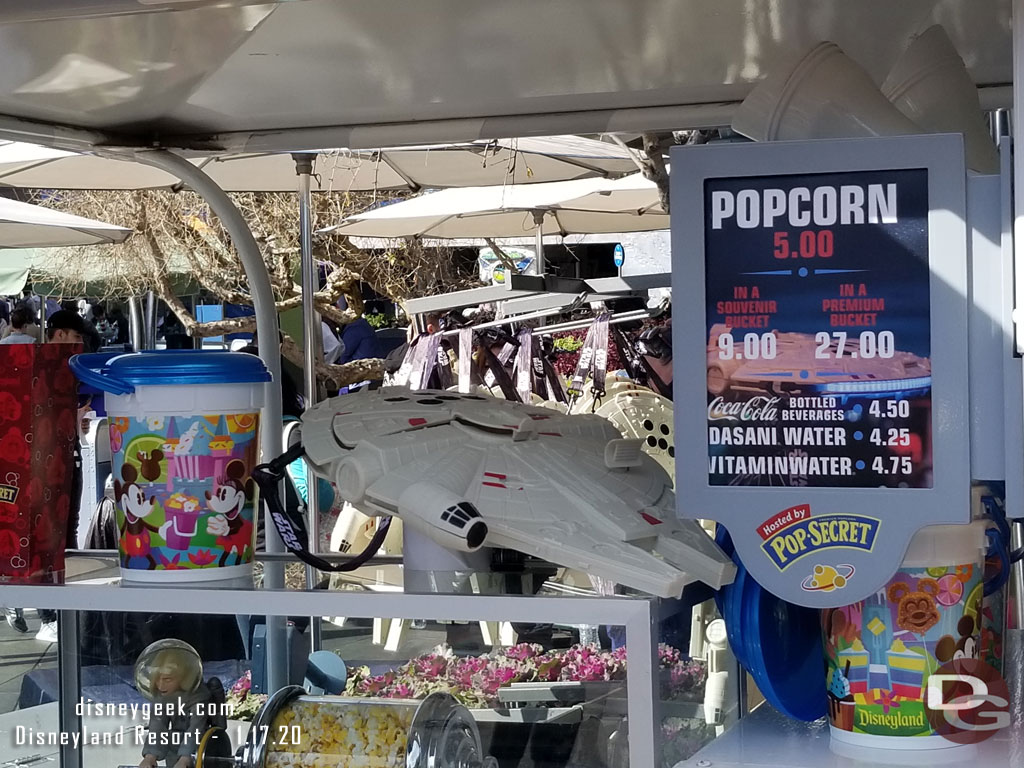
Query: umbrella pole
point(310, 332)
point(538, 244)
point(272, 434)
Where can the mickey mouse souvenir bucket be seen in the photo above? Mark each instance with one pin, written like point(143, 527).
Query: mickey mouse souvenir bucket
point(184, 438)
point(880, 652)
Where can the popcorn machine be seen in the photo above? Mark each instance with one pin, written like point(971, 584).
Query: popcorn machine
point(297, 730)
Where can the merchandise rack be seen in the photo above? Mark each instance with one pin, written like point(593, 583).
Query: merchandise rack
point(638, 615)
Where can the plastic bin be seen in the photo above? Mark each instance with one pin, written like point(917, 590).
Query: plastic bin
point(880, 652)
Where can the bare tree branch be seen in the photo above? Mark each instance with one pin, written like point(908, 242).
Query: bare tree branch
point(341, 375)
point(654, 165)
point(178, 238)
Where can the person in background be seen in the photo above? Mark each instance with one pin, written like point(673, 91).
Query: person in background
point(5, 317)
point(36, 302)
point(106, 331)
point(120, 323)
point(358, 338)
point(394, 360)
point(23, 330)
point(175, 335)
point(333, 347)
point(91, 339)
point(66, 327)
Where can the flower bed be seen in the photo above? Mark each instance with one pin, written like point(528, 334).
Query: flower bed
point(475, 680)
point(242, 702)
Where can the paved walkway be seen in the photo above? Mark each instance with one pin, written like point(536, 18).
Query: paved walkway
point(19, 655)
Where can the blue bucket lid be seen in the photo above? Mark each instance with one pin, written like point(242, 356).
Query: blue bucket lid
point(120, 374)
point(783, 652)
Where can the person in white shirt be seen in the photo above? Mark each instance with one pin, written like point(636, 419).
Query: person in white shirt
point(332, 344)
point(23, 330)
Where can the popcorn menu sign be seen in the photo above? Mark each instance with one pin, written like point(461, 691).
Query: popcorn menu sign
point(811, 278)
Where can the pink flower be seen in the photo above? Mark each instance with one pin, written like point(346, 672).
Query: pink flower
point(524, 651)
point(202, 557)
point(887, 700)
point(430, 665)
point(668, 655)
point(173, 564)
point(243, 685)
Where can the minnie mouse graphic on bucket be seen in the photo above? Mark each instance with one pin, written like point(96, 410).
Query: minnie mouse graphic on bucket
point(232, 529)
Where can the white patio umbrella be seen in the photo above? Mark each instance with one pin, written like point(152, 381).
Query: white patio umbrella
point(588, 206)
point(505, 161)
point(33, 226)
point(634, 194)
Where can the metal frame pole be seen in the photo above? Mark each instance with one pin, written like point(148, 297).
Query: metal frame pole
point(1017, 17)
point(150, 325)
point(135, 329)
point(538, 241)
point(262, 292)
point(642, 685)
point(69, 687)
point(310, 333)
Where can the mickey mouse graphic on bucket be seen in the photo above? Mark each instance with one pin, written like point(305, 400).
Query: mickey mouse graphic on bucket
point(184, 434)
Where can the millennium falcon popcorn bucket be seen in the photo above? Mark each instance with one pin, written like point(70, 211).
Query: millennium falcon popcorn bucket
point(467, 472)
point(184, 438)
point(880, 652)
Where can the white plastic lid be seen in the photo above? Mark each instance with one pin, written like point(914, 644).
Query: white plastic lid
point(948, 545)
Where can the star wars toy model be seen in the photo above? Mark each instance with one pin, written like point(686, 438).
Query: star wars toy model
point(470, 471)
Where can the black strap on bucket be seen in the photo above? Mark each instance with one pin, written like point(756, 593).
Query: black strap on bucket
point(501, 377)
point(638, 367)
point(593, 360)
point(290, 525)
point(546, 381)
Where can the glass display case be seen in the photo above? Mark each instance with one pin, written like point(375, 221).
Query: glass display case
point(564, 677)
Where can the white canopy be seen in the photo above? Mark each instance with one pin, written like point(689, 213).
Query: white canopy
point(33, 226)
point(581, 207)
point(226, 75)
point(505, 161)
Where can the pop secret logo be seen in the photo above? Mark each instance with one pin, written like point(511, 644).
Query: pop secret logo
point(9, 489)
point(794, 533)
